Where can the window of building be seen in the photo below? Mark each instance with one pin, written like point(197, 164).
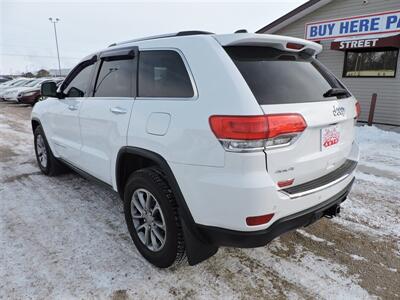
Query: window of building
point(379, 63)
point(115, 79)
point(162, 73)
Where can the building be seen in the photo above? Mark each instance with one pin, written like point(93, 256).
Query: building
point(361, 41)
point(56, 72)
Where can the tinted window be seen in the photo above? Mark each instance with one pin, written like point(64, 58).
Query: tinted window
point(29, 83)
point(370, 63)
point(32, 83)
point(276, 76)
point(162, 73)
point(115, 79)
point(77, 87)
point(20, 83)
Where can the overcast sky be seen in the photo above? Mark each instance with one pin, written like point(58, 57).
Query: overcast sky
point(27, 38)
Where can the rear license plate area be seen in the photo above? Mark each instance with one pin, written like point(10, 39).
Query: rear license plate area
point(330, 137)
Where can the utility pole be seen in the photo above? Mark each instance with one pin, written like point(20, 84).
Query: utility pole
point(55, 34)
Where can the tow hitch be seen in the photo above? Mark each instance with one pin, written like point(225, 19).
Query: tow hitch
point(332, 211)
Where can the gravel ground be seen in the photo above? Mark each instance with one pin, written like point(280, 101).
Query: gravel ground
point(65, 237)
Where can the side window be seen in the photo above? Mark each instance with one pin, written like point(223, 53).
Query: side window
point(77, 87)
point(162, 73)
point(115, 79)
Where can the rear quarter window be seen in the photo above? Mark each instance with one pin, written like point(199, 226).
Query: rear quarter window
point(163, 74)
point(279, 77)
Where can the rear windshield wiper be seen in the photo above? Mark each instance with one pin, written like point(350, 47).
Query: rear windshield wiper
point(336, 92)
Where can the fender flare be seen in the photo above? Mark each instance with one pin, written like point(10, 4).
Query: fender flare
point(36, 120)
point(48, 141)
point(162, 163)
point(198, 248)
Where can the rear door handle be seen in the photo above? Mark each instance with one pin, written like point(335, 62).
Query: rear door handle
point(118, 110)
point(72, 107)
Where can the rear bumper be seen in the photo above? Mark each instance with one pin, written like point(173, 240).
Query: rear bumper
point(245, 239)
point(10, 99)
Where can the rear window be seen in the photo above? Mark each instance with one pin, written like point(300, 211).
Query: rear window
point(279, 77)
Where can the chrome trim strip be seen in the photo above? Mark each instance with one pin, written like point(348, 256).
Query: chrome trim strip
point(315, 190)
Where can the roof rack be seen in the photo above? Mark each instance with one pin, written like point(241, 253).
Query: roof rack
point(154, 37)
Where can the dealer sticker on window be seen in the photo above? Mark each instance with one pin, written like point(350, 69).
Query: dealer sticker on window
point(330, 136)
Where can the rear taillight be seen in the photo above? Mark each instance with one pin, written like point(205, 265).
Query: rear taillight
point(285, 123)
point(358, 109)
point(239, 127)
point(255, 133)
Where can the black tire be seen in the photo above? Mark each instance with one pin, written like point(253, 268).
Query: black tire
point(53, 166)
point(173, 251)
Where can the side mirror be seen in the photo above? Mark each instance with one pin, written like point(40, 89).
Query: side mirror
point(49, 89)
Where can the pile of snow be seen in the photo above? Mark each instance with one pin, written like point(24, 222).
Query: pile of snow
point(374, 202)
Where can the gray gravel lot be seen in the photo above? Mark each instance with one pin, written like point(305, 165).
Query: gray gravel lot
point(65, 237)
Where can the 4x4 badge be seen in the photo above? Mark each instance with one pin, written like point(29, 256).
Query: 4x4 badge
point(338, 111)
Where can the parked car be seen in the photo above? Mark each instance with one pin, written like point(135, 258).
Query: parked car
point(11, 94)
point(7, 83)
point(11, 84)
point(29, 96)
point(32, 95)
point(210, 140)
point(5, 79)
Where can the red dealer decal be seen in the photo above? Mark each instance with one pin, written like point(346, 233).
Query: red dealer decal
point(331, 137)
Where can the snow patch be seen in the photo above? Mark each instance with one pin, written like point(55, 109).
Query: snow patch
point(319, 276)
point(356, 257)
point(314, 238)
point(373, 205)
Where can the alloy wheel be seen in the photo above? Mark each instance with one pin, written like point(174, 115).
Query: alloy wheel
point(41, 151)
point(148, 220)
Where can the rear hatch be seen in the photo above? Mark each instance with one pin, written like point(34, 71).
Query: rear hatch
point(294, 82)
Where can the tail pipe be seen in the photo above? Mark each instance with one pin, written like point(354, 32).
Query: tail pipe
point(333, 211)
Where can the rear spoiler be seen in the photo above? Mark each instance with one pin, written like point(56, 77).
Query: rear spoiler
point(280, 42)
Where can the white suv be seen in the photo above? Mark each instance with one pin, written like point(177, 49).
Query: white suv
point(210, 140)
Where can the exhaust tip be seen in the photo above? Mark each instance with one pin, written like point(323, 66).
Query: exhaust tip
point(332, 211)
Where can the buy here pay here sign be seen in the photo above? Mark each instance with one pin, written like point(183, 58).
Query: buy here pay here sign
point(386, 22)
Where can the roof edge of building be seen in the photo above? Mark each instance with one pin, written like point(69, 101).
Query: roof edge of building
point(297, 13)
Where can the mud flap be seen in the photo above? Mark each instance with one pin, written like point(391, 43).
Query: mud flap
point(197, 250)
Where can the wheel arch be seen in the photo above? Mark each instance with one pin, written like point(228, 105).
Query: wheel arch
point(35, 122)
point(130, 159)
